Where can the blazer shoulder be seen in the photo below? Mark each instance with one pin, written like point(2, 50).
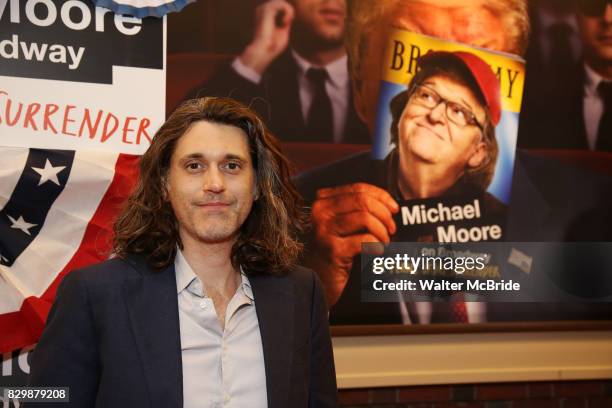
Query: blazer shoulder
point(301, 275)
point(307, 284)
point(110, 272)
point(280, 66)
point(297, 279)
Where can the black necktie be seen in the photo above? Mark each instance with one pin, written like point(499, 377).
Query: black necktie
point(319, 122)
point(604, 131)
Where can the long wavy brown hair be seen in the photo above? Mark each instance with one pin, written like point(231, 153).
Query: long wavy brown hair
point(268, 240)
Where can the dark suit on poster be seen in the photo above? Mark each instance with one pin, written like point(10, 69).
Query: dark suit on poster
point(276, 99)
point(113, 337)
point(550, 201)
point(551, 112)
point(554, 120)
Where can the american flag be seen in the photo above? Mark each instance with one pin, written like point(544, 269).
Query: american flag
point(56, 213)
point(143, 8)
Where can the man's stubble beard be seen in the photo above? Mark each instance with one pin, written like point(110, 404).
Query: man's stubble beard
point(303, 36)
point(216, 228)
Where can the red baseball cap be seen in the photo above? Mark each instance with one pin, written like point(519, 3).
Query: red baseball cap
point(480, 71)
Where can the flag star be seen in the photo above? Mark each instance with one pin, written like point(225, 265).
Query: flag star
point(49, 173)
point(21, 224)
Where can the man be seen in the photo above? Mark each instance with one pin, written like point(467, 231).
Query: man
point(203, 288)
point(555, 43)
point(595, 22)
point(443, 128)
point(581, 115)
point(348, 208)
point(550, 201)
point(552, 57)
point(294, 73)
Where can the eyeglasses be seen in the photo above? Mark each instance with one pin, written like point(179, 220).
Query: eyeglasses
point(459, 115)
point(593, 8)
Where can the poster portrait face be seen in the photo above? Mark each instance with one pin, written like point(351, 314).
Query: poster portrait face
point(320, 21)
point(441, 125)
point(595, 22)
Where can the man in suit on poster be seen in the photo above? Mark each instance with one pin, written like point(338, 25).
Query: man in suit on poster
point(203, 286)
point(552, 58)
point(349, 207)
point(595, 22)
point(577, 113)
point(294, 73)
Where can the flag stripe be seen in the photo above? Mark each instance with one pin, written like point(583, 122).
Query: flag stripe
point(31, 201)
point(96, 244)
point(15, 331)
point(65, 224)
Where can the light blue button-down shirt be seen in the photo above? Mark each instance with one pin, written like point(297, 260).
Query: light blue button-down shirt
point(221, 367)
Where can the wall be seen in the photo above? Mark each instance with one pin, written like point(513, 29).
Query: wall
point(583, 394)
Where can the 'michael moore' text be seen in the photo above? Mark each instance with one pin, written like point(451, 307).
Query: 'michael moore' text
point(421, 214)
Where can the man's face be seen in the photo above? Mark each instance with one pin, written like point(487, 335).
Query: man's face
point(427, 135)
point(322, 19)
point(211, 182)
point(596, 33)
point(466, 21)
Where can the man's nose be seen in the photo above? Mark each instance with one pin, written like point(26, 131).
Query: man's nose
point(437, 113)
point(213, 180)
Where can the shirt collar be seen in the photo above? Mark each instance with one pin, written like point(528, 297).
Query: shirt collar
point(185, 276)
point(337, 70)
point(246, 285)
point(183, 271)
point(591, 81)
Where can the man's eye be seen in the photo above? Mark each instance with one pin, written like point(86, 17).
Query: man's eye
point(460, 113)
point(194, 166)
point(425, 95)
point(232, 166)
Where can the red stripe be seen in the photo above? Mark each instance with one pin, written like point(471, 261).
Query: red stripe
point(15, 332)
point(23, 328)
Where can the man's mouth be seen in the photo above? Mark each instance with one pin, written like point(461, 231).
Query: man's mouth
point(331, 13)
point(213, 205)
point(605, 38)
point(430, 130)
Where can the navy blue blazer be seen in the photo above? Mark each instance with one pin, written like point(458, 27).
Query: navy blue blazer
point(113, 337)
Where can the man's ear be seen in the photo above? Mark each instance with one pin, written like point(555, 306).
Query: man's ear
point(478, 156)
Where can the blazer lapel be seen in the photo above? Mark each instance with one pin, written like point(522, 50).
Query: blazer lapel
point(153, 310)
point(274, 303)
point(284, 93)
